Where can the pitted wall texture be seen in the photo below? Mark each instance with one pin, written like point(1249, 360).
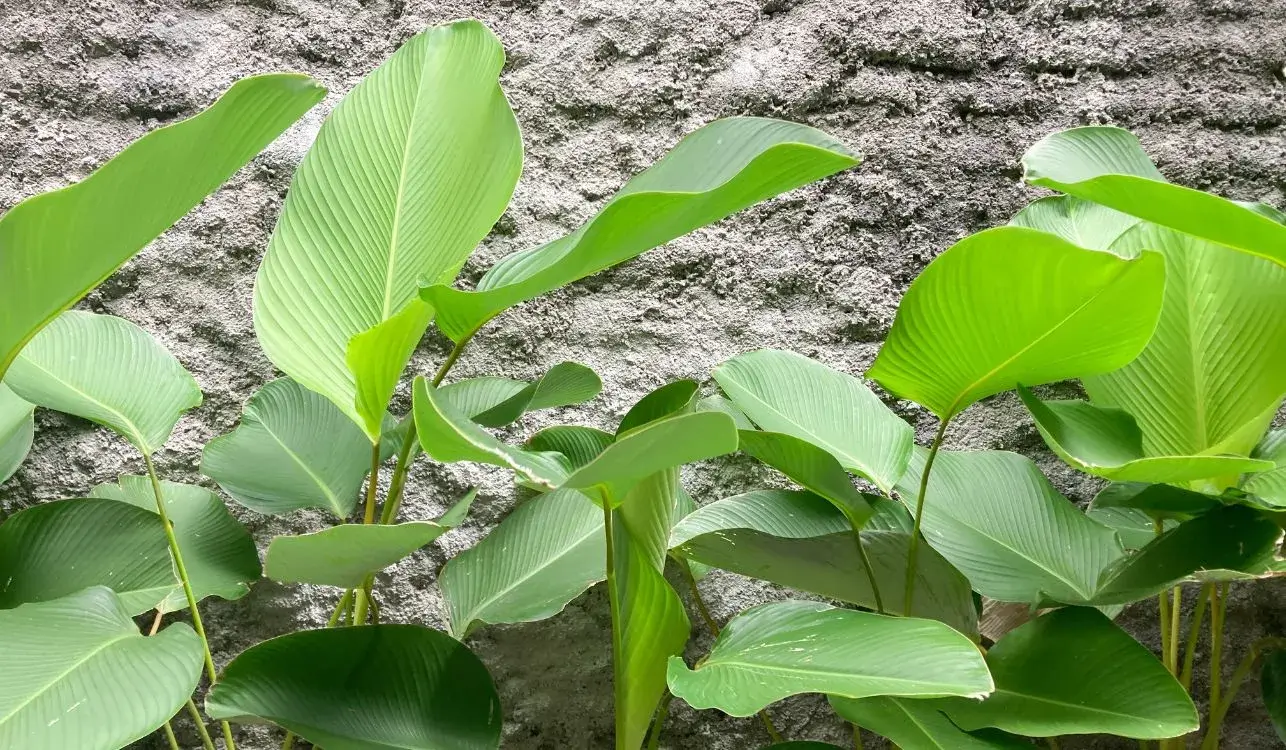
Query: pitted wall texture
point(942, 96)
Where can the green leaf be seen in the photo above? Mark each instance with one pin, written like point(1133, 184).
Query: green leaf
point(1133, 527)
point(780, 649)
point(109, 371)
point(1080, 222)
point(496, 402)
point(1012, 305)
point(1106, 442)
point(344, 555)
point(53, 550)
point(1214, 372)
point(788, 393)
point(719, 403)
point(1106, 165)
point(579, 445)
point(17, 430)
point(374, 687)
point(919, 725)
point(1269, 486)
point(667, 400)
point(995, 517)
point(1272, 683)
point(292, 450)
point(1072, 671)
point(1162, 500)
point(219, 555)
point(800, 540)
point(57, 246)
point(407, 175)
point(63, 669)
point(1231, 537)
point(714, 172)
point(812, 468)
point(548, 551)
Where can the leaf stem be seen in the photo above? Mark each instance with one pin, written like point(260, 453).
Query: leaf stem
point(372, 486)
point(614, 604)
point(206, 741)
point(362, 600)
point(182, 570)
point(341, 609)
point(1176, 624)
point(913, 547)
point(1220, 712)
point(1194, 632)
point(1163, 606)
point(857, 737)
point(866, 565)
point(662, 713)
point(1218, 608)
point(169, 736)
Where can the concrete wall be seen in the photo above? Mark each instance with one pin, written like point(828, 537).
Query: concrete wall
point(941, 95)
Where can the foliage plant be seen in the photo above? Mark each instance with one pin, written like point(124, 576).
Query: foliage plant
point(944, 599)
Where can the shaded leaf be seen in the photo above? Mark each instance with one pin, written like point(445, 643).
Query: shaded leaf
point(788, 393)
point(714, 172)
point(407, 175)
point(1269, 486)
point(668, 400)
point(1133, 527)
point(776, 650)
point(812, 468)
point(919, 725)
point(496, 402)
point(1012, 305)
point(1163, 500)
point(579, 445)
point(107, 370)
point(62, 670)
point(57, 246)
point(373, 687)
point(1272, 684)
point(17, 430)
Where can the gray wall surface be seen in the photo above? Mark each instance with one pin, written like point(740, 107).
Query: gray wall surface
point(942, 96)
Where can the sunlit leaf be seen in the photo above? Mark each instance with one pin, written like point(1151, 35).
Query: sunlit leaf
point(1270, 486)
point(919, 725)
point(107, 370)
point(1013, 305)
point(57, 246)
point(1080, 222)
point(719, 403)
point(776, 650)
point(17, 430)
point(373, 687)
point(77, 673)
point(496, 402)
point(668, 400)
point(407, 175)
point(714, 172)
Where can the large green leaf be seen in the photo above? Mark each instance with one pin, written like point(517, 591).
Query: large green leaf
point(77, 673)
point(543, 555)
point(374, 687)
point(218, 553)
point(17, 430)
point(995, 517)
point(788, 393)
point(1214, 373)
point(811, 467)
point(344, 555)
point(107, 370)
point(1272, 684)
point(52, 550)
point(292, 450)
point(1080, 222)
point(1072, 671)
point(57, 246)
point(1160, 500)
point(1135, 528)
point(579, 445)
point(1106, 441)
point(776, 650)
point(1013, 305)
point(800, 540)
point(408, 173)
point(919, 725)
point(714, 172)
point(496, 402)
point(1269, 486)
point(1106, 165)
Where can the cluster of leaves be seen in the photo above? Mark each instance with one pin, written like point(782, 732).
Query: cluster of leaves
point(1164, 302)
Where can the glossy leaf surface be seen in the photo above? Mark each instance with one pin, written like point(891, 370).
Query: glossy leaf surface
point(919, 725)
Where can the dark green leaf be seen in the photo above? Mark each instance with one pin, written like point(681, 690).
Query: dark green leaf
point(668, 400)
point(812, 468)
point(919, 725)
point(1272, 684)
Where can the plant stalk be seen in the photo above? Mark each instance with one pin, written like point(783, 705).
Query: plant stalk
point(1220, 712)
point(870, 574)
point(1218, 608)
point(913, 547)
point(206, 741)
point(857, 738)
point(1194, 632)
point(182, 570)
point(169, 736)
point(662, 713)
point(614, 604)
point(1163, 606)
point(1176, 624)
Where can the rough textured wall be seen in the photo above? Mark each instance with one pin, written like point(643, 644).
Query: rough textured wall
point(941, 95)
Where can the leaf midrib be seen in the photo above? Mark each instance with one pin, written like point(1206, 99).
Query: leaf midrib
point(63, 675)
point(774, 669)
point(401, 194)
point(331, 497)
point(137, 434)
point(1073, 706)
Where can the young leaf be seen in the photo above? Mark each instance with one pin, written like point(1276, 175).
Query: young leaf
point(1012, 305)
point(219, 555)
point(57, 246)
point(106, 370)
point(292, 450)
point(1080, 222)
point(1272, 683)
point(788, 393)
point(919, 725)
point(776, 650)
point(53, 550)
point(1072, 671)
point(364, 688)
point(1214, 373)
point(714, 172)
point(62, 673)
point(812, 468)
point(999, 521)
point(496, 402)
point(344, 555)
point(1106, 442)
point(1106, 165)
point(548, 551)
point(17, 430)
point(800, 540)
point(407, 175)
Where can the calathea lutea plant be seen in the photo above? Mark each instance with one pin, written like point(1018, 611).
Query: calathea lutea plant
point(407, 175)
